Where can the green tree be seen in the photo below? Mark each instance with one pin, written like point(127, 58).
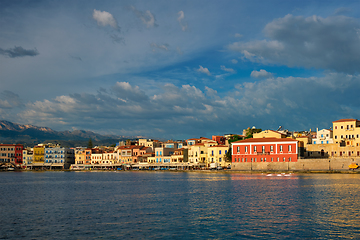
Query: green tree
point(234, 138)
point(250, 131)
point(228, 155)
point(90, 143)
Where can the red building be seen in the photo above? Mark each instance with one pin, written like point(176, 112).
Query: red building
point(265, 150)
point(219, 139)
point(11, 153)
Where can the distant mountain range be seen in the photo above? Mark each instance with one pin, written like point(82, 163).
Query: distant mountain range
point(30, 135)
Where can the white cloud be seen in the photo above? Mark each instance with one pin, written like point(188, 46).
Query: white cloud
point(203, 70)
point(238, 35)
point(281, 101)
point(104, 18)
point(180, 18)
point(234, 61)
point(230, 70)
point(261, 74)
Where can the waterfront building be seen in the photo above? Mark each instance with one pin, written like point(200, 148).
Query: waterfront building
point(109, 158)
point(59, 156)
point(83, 156)
point(96, 156)
point(217, 154)
point(11, 153)
point(346, 130)
point(324, 136)
point(125, 154)
point(163, 155)
point(180, 155)
point(346, 141)
point(39, 152)
point(265, 150)
point(139, 151)
point(28, 155)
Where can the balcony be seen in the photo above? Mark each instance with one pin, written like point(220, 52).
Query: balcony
point(263, 153)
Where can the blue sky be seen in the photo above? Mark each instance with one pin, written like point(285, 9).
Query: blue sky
point(179, 69)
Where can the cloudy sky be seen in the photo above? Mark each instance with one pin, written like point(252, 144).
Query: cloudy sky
point(179, 69)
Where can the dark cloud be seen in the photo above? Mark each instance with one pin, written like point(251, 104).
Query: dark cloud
point(18, 52)
point(146, 17)
point(76, 58)
point(323, 43)
point(9, 99)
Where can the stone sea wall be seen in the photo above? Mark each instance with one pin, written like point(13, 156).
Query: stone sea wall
point(313, 164)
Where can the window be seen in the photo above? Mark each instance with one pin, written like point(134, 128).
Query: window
point(272, 159)
point(289, 159)
point(322, 135)
point(335, 127)
point(219, 152)
point(335, 136)
point(342, 136)
point(271, 148)
point(263, 149)
point(245, 159)
point(342, 127)
point(281, 148)
point(254, 148)
point(278, 159)
point(289, 148)
point(225, 151)
point(322, 142)
point(238, 149)
point(284, 159)
point(246, 149)
point(314, 142)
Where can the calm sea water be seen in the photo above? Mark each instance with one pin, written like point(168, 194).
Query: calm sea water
point(178, 205)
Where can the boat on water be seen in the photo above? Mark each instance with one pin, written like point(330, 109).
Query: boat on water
point(10, 169)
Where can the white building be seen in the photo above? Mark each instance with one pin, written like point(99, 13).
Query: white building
point(324, 136)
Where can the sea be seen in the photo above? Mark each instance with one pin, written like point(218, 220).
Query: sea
point(178, 205)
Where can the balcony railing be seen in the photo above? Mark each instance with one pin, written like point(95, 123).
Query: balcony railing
point(263, 153)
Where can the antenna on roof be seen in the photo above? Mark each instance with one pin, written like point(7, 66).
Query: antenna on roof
point(280, 127)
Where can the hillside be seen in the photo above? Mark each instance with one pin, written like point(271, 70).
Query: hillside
point(29, 135)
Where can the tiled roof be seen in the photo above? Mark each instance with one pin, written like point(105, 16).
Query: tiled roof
point(253, 140)
point(346, 120)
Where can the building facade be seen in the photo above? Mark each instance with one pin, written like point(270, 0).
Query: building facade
point(265, 150)
point(11, 153)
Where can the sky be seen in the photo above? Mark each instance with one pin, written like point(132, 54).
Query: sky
point(179, 69)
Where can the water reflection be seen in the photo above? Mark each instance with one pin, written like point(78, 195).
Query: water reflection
point(178, 205)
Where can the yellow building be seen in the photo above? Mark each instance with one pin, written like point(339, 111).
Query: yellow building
point(39, 153)
point(269, 134)
point(346, 130)
point(217, 154)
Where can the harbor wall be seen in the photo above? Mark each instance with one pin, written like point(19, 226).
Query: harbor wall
point(309, 164)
